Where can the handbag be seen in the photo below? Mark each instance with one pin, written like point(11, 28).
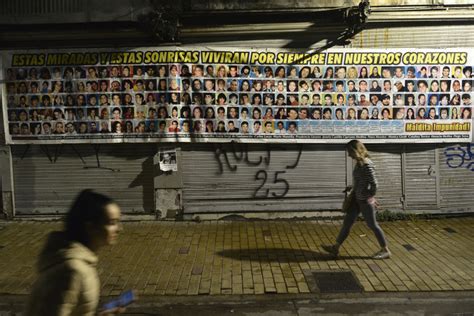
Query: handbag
point(348, 201)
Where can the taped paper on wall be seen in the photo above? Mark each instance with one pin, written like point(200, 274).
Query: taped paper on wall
point(168, 160)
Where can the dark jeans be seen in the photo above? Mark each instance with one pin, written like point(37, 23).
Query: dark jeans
point(368, 211)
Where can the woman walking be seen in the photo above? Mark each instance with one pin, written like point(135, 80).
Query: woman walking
point(68, 281)
point(364, 189)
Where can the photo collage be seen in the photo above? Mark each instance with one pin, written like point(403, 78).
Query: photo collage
point(213, 99)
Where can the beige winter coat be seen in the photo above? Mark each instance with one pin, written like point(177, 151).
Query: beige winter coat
point(67, 283)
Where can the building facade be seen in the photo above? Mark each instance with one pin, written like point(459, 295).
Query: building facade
point(212, 179)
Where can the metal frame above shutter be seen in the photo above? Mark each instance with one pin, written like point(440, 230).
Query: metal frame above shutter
point(257, 178)
point(47, 178)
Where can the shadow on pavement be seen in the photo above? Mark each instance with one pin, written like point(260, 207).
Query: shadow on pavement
point(281, 255)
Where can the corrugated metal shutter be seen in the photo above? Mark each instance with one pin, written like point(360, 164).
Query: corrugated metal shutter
point(420, 178)
point(456, 178)
point(388, 166)
point(442, 36)
point(415, 36)
point(44, 187)
point(315, 182)
point(28, 8)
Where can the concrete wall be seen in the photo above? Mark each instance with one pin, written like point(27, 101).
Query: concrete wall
point(168, 189)
point(314, 4)
point(169, 186)
point(82, 11)
point(6, 184)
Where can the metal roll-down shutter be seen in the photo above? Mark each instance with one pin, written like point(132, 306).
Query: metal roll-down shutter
point(388, 169)
point(47, 178)
point(271, 178)
point(421, 173)
point(456, 177)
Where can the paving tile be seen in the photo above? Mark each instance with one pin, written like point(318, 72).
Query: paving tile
point(259, 288)
point(303, 287)
point(281, 288)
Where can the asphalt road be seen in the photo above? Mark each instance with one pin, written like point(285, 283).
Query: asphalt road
point(455, 304)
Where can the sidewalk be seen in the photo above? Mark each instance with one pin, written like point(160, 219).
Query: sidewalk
point(256, 257)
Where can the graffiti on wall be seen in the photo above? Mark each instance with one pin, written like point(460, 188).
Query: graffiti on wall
point(241, 154)
point(460, 156)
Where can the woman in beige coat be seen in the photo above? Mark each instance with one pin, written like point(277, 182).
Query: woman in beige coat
point(68, 283)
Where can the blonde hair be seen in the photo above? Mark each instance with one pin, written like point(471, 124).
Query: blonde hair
point(352, 73)
point(358, 149)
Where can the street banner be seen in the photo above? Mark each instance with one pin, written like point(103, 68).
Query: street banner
point(181, 94)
